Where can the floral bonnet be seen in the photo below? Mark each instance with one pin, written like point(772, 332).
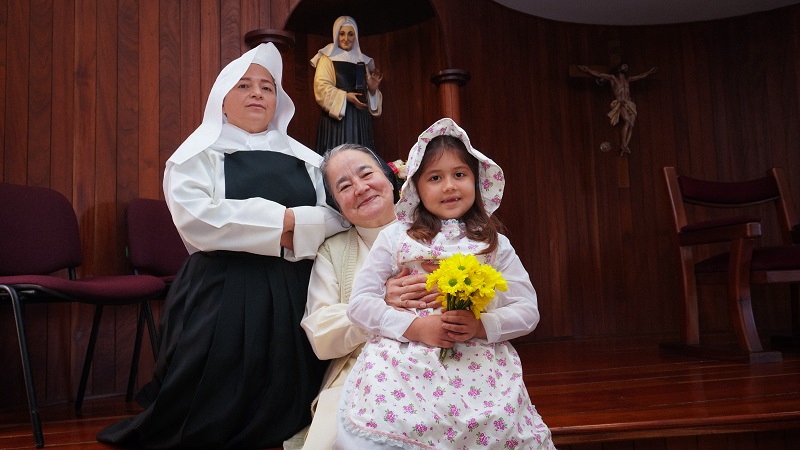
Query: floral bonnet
point(490, 179)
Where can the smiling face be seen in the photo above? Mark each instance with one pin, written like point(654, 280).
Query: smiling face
point(251, 104)
point(446, 185)
point(364, 195)
point(347, 37)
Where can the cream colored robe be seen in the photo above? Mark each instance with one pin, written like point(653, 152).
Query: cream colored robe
point(330, 332)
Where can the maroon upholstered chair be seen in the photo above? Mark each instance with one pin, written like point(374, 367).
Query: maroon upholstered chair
point(743, 265)
point(40, 237)
point(154, 248)
point(154, 245)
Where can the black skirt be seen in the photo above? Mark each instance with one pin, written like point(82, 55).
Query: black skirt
point(235, 369)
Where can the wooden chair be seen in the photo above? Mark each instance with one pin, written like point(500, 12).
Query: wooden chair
point(40, 238)
point(743, 265)
point(154, 248)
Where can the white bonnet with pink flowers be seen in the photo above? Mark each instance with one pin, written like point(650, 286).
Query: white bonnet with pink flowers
point(490, 179)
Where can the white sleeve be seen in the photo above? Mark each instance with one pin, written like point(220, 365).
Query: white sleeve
point(325, 322)
point(207, 221)
point(332, 99)
point(367, 307)
point(515, 312)
point(308, 235)
point(375, 103)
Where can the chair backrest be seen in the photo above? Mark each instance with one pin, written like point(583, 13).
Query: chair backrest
point(731, 194)
point(154, 245)
point(771, 188)
point(39, 231)
point(787, 216)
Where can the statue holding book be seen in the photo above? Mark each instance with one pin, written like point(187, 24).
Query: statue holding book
point(346, 86)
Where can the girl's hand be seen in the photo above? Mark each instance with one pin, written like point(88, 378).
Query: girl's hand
point(408, 291)
point(430, 331)
point(461, 325)
point(430, 266)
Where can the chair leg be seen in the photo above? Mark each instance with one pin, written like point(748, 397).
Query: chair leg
point(740, 304)
point(87, 362)
point(741, 308)
point(151, 327)
point(690, 325)
point(145, 314)
point(33, 407)
point(794, 299)
point(137, 350)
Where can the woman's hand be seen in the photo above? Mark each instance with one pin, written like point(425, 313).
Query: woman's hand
point(352, 97)
point(287, 236)
point(408, 291)
point(461, 325)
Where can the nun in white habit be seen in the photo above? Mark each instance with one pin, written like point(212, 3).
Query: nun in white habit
point(234, 369)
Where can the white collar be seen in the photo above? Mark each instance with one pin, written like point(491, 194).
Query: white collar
point(368, 235)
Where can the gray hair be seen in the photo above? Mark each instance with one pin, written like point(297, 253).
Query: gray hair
point(326, 159)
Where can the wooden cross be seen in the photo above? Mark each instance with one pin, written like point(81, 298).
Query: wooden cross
point(620, 91)
point(614, 60)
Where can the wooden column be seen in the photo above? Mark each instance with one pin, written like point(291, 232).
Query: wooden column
point(448, 81)
point(283, 40)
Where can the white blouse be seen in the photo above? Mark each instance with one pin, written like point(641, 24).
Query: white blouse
point(511, 314)
point(207, 221)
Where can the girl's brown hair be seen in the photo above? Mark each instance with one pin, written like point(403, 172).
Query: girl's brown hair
point(480, 226)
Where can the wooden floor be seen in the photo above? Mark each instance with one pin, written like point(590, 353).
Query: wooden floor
point(600, 394)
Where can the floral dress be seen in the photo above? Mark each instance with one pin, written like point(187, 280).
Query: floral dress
point(401, 394)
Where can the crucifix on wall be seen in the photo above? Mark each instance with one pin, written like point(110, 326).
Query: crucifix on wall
point(623, 109)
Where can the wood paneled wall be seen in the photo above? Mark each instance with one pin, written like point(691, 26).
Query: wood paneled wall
point(97, 95)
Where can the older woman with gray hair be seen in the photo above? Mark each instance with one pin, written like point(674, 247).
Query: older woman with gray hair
point(364, 195)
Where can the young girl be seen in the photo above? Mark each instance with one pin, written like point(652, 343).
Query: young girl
point(400, 394)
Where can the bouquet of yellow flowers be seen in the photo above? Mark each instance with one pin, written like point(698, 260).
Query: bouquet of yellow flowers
point(465, 283)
